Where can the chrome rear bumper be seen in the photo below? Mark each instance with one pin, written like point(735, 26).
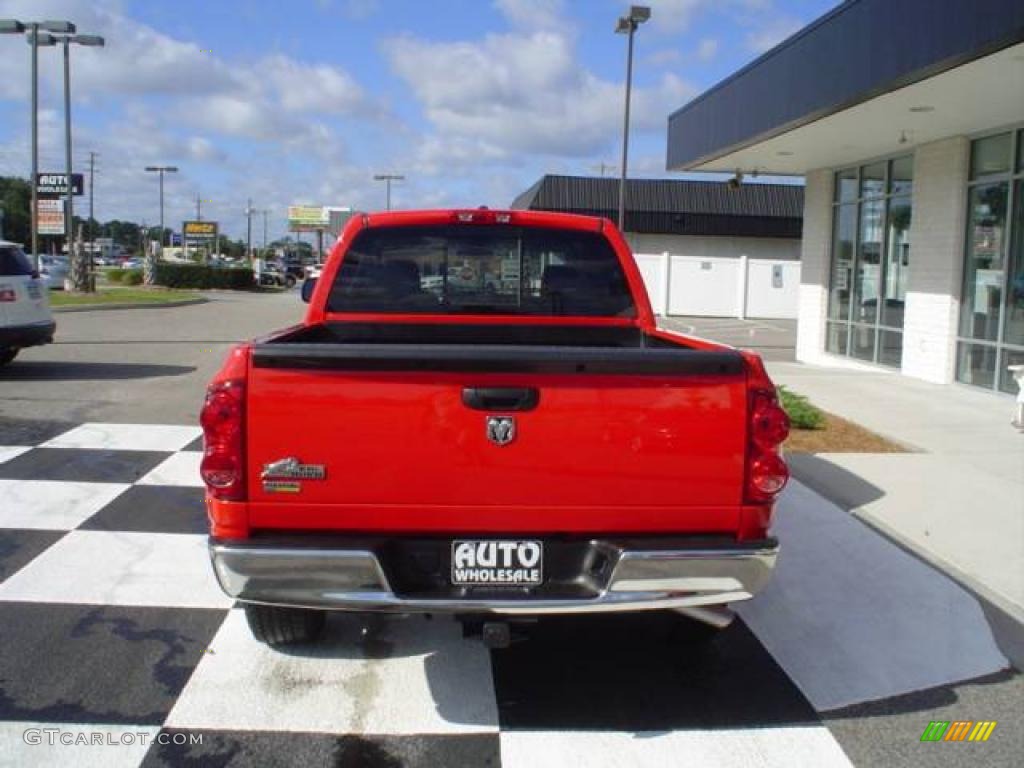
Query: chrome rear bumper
point(353, 579)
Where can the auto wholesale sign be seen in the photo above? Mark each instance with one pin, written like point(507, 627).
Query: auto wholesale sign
point(56, 184)
point(199, 231)
point(307, 218)
point(50, 217)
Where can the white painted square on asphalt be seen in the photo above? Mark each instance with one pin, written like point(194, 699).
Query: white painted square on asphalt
point(118, 568)
point(8, 452)
point(27, 744)
point(786, 747)
point(178, 469)
point(126, 437)
point(51, 504)
point(412, 676)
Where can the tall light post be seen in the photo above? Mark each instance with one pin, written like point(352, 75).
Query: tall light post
point(38, 33)
point(387, 178)
point(627, 25)
point(79, 276)
point(161, 169)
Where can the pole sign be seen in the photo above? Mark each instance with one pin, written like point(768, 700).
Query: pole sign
point(56, 184)
point(50, 217)
point(199, 231)
point(307, 218)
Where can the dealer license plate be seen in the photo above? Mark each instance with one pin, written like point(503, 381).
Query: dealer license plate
point(502, 562)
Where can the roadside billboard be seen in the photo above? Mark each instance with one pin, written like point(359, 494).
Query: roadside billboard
point(54, 184)
point(199, 231)
point(307, 218)
point(50, 217)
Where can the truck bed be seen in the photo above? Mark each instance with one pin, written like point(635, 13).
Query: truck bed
point(548, 349)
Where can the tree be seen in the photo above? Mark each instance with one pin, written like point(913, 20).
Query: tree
point(16, 201)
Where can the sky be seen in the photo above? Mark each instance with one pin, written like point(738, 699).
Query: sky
point(294, 102)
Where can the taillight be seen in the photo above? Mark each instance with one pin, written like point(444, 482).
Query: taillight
point(222, 419)
point(7, 293)
point(769, 427)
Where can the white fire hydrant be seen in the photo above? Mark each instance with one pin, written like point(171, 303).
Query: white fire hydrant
point(1018, 376)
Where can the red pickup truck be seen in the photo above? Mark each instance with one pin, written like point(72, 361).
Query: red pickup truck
point(478, 416)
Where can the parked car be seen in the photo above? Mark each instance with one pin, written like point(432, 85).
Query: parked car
point(54, 270)
point(25, 318)
point(500, 454)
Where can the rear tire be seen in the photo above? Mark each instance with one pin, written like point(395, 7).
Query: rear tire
point(7, 354)
point(276, 625)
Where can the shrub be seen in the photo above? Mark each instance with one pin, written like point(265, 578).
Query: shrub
point(132, 277)
point(116, 275)
point(803, 414)
point(203, 276)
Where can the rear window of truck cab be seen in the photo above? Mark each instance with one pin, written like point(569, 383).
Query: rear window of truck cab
point(474, 269)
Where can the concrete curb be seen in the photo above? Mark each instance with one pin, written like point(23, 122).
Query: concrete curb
point(1005, 619)
point(137, 305)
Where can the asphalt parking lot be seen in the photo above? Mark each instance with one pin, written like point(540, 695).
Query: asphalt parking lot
point(111, 623)
point(774, 339)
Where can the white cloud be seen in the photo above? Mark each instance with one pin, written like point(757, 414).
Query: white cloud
point(524, 93)
point(707, 49)
point(533, 14)
point(771, 33)
point(664, 57)
point(357, 10)
point(674, 16)
point(302, 87)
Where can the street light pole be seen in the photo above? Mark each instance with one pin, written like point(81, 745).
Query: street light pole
point(387, 178)
point(627, 25)
point(162, 169)
point(36, 39)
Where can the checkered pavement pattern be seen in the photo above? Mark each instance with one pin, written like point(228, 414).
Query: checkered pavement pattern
point(111, 624)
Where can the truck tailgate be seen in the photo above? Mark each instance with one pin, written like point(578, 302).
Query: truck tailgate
point(660, 447)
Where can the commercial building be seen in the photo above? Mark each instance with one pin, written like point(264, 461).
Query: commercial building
point(906, 119)
point(704, 248)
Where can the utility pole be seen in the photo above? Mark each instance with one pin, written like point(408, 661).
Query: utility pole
point(92, 198)
point(265, 212)
point(162, 169)
point(248, 229)
point(387, 178)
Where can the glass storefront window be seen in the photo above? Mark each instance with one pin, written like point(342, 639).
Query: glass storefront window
point(872, 180)
point(983, 280)
point(901, 175)
point(862, 342)
point(866, 281)
point(1014, 331)
point(992, 308)
point(870, 260)
point(842, 262)
point(991, 155)
point(846, 185)
point(1006, 382)
point(976, 364)
point(836, 338)
point(890, 348)
point(897, 264)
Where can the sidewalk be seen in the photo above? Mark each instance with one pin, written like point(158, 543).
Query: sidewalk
point(957, 500)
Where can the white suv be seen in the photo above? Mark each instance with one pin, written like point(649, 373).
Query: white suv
point(25, 319)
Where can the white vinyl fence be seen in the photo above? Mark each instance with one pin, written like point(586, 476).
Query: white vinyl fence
point(718, 286)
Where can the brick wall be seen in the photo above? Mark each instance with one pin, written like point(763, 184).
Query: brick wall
point(814, 266)
point(936, 259)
